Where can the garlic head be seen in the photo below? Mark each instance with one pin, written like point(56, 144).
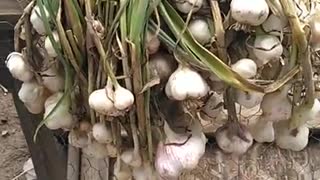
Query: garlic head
point(185, 6)
point(152, 42)
point(99, 102)
point(262, 130)
point(123, 98)
point(52, 79)
point(36, 20)
point(101, 133)
point(48, 45)
point(245, 67)
point(18, 68)
point(248, 99)
point(199, 28)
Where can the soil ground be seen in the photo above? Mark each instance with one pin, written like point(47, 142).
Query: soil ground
point(13, 148)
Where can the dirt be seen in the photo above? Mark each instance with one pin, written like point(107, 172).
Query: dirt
point(13, 148)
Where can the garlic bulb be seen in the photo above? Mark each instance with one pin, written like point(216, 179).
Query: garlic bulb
point(144, 172)
point(152, 42)
point(234, 138)
point(248, 99)
point(249, 12)
point(295, 140)
point(52, 79)
point(78, 139)
point(274, 25)
point(276, 106)
point(199, 28)
point(172, 159)
point(36, 20)
point(262, 130)
point(96, 150)
point(162, 65)
point(246, 68)
point(33, 95)
point(314, 24)
point(48, 45)
point(61, 117)
point(123, 98)
point(121, 171)
point(306, 115)
point(185, 6)
point(182, 83)
point(131, 158)
point(267, 48)
point(99, 102)
point(101, 133)
point(17, 67)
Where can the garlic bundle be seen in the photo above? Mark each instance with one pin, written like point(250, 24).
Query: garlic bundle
point(234, 138)
point(121, 171)
point(274, 25)
point(17, 67)
point(52, 79)
point(61, 117)
point(249, 12)
point(36, 20)
point(245, 67)
point(185, 6)
point(276, 106)
point(101, 133)
point(199, 28)
point(96, 150)
point(100, 102)
point(262, 130)
point(48, 45)
point(33, 95)
point(267, 48)
point(172, 159)
point(248, 99)
point(162, 65)
point(186, 83)
point(152, 42)
point(295, 140)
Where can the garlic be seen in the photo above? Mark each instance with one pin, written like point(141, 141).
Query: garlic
point(314, 24)
point(131, 158)
point(306, 115)
point(162, 65)
point(262, 130)
point(99, 102)
point(61, 117)
point(249, 12)
point(267, 48)
point(101, 133)
point(144, 172)
point(234, 138)
point(36, 20)
point(185, 6)
point(17, 67)
point(78, 139)
point(274, 25)
point(276, 106)
point(152, 42)
point(52, 79)
point(246, 68)
point(199, 28)
point(248, 99)
point(295, 140)
point(22, 34)
point(96, 150)
point(112, 150)
point(123, 98)
point(172, 159)
point(48, 45)
point(121, 171)
point(182, 83)
point(33, 95)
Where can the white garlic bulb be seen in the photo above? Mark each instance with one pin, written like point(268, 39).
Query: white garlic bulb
point(99, 102)
point(262, 130)
point(48, 45)
point(123, 98)
point(131, 158)
point(199, 28)
point(52, 79)
point(36, 20)
point(17, 67)
point(152, 42)
point(182, 83)
point(185, 6)
point(248, 99)
point(101, 133)
point(96, 150)
point(245, 67)
point(274, 25)
point(314, 24)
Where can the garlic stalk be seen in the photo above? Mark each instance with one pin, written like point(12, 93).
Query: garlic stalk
point(52, 79)
point(18, 68)
point(33, 95)
point(61, 117)
point(181, 84)
point(185, 6)
point(262, 130)
point(36, 20)
point(102, 133)
point(48, 45)
point(199, 28)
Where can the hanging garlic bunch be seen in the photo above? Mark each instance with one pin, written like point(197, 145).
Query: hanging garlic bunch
point(185, 6)
point(53, 79)
point(61, 116)
point(33, 95)
point(48, 45)
point(262, 130)
point(179, 152)
point(36, 20)
point(181, 84)
point(17, 67)
point(199, 28)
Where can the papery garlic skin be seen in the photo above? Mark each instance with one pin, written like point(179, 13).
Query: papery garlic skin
point(248, 99)
point(131, 158)
point(245, 67)
point(123, 98)
point(33, 95)
point(185, 6)
point(52, 79)
point(161, 65)
point(152, 42)
point(314, 24)
point(274, 25)
point(36, 20)
point(295, 140)
point(213, 108)
point(186, 83)
point(262, 130)
point(61, 117)
point(267, 48)
point(18, 68)
point(96, 150)
point(48, 45)
point(101, 133)
point(199, 28)
point(249, 12)
point(313, 120)
point(99, 102)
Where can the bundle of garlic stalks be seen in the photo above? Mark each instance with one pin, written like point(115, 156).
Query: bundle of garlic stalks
point(136, 80)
